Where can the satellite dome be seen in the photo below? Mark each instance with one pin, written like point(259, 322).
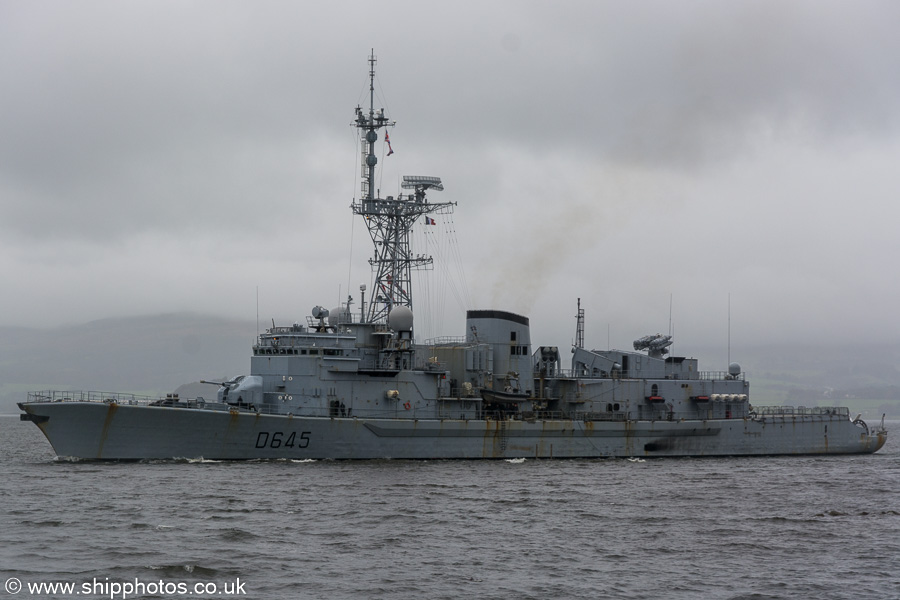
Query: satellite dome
point(734, 369)
point(340, 314)
point(400, 318)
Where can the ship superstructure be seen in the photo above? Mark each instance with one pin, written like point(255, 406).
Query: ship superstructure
point(355, 384)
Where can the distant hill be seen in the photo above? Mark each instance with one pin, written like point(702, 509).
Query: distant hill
point(866, 378)
point(156, 355)
point(145, 355)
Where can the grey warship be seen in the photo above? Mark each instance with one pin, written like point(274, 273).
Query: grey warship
point(355, 384)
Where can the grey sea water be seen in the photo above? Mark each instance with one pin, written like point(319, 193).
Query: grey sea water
point(781, 527)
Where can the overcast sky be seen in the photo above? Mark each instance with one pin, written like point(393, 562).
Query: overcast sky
point(178, 156)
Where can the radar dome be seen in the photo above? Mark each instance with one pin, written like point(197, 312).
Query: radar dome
point(340, 314)
point(734, 369)
point(400, 318)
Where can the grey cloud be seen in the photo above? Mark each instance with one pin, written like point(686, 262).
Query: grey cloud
point(591, 146)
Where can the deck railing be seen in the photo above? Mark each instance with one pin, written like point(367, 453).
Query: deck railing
point(789, 411)
point(105, 397)
point(429, 411)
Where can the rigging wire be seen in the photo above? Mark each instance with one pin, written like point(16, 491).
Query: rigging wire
point(381, 95)
point(447, 275)
point(460, 268)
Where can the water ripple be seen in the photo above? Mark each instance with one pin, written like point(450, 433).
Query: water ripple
point(760, 528)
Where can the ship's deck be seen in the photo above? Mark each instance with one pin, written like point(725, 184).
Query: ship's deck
point(767, 413)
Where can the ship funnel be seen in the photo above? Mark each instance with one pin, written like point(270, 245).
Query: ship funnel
point(509, 336)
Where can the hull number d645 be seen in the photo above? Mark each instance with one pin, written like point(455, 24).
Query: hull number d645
point(279, 439)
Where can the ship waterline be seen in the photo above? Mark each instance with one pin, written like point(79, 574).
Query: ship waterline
point(129, 429)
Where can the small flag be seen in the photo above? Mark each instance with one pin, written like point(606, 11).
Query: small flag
point(387, 138)
point(429, 221)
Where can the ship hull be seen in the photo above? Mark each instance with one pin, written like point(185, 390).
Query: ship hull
point(95, 431)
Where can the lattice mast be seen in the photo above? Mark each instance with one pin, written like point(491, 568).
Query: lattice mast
point(579, 327)
point(390, 220)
